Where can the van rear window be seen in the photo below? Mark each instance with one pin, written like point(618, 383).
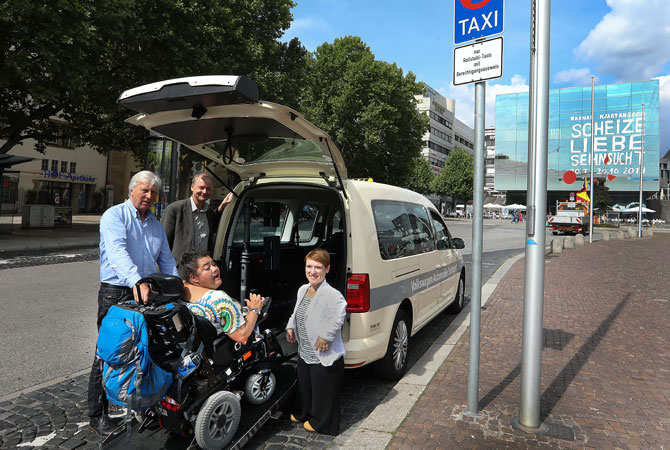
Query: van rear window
point(267, 219)
point(403, 229)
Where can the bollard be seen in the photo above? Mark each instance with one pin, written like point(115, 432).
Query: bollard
point(579, 240)
point(569, 242)
point(606, 235)
point(632, 233)
point(647, 232)
point(557, 246)
point(621, 235)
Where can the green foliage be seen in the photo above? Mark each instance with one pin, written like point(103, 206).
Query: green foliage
point(367, 107)
point(421, 176)
point(601, 196)
point(457, 176)
point(31, 197)
point(72, 59)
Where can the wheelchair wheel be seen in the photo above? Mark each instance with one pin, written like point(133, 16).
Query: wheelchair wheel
point(218, 420)
point(259, 387)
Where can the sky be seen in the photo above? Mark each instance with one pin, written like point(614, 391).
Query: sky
point(613, 40)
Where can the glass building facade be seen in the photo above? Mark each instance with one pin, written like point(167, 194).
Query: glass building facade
point(618, 124)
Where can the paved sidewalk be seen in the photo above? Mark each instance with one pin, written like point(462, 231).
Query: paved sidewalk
point(605, 364)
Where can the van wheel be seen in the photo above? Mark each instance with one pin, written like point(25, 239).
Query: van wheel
point(259, 387)
point(394, 364)
point(218, 420)
point(457, 305)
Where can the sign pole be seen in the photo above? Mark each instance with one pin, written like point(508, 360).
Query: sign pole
point(476, 63)
point(477, 238)
point(531, 352)
point(593, 137)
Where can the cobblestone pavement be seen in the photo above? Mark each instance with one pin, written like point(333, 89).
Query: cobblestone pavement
point(42, 257)
point(605, 362)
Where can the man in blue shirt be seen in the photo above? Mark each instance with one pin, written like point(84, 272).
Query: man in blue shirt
point(132, 246)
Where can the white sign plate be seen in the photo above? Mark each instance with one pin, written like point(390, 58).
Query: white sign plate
point(479, 61)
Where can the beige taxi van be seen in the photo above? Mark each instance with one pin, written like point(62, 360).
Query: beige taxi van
point(392, 255)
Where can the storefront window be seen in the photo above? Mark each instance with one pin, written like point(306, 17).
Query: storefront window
point(55, 193)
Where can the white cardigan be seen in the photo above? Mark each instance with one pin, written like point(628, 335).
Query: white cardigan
point(324, 318)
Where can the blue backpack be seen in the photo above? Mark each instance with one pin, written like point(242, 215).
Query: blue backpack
point(130, 376)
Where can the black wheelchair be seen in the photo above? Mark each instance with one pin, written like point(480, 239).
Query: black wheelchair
point(213, 375)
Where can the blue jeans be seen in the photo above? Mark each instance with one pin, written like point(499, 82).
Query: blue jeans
point(97, 400)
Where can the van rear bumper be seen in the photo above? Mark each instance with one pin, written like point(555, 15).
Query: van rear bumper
point(361, 352)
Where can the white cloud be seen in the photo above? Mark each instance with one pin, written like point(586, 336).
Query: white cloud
point(304, 26)
point(631, 41)
point(574, 77)
point(465, 98)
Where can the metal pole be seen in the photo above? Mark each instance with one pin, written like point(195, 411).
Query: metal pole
point(477, 237)
point(593, 137)
point(531, 352)
point(639, 206)
point(174, 171)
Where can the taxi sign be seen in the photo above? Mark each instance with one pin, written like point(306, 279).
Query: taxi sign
point(476, 19)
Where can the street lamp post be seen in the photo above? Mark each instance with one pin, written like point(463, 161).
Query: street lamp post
point(639, 206)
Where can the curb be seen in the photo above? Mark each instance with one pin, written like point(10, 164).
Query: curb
point(378, 428)
point(38, 249)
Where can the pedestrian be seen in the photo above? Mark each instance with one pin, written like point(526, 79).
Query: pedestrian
point(190, 224)
point(316, 324)
point(132, 244)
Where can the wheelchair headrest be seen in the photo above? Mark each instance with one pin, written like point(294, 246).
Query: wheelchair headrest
point(164, 288)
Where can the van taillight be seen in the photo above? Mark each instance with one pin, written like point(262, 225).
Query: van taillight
point(358, 293)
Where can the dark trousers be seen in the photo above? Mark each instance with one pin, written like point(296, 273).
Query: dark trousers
point(319, 392)
point(97, 400)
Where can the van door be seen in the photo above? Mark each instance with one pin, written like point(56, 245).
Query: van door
point(449, 259)
point(221, 118)
point(429, 262)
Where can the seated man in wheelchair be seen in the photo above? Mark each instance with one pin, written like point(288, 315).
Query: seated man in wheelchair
point(202, 279)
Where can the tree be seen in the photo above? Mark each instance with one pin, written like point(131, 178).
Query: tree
point(601, 196)
point(86, 53)
point(421, 176)
point(367, 107)
point(457, 176)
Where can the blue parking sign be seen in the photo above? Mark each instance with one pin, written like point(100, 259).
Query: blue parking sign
point(474, 19)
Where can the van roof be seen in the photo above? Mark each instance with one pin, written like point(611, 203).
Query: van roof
point(383, 191)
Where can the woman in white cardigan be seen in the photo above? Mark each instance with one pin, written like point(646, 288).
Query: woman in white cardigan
point(316, 324)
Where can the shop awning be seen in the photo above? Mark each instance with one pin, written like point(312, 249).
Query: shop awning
point(7, 161)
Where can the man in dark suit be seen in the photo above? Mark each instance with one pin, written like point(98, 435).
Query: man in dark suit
point(190, 225)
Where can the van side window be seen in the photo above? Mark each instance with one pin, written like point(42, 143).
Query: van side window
point(336, 224)
point(403, 229)
point(306, 222)
point(441, 231)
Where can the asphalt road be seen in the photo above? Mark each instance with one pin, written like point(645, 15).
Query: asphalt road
point(48, 322)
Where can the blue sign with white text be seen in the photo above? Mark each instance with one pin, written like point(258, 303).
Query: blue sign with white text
point(474, 19)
